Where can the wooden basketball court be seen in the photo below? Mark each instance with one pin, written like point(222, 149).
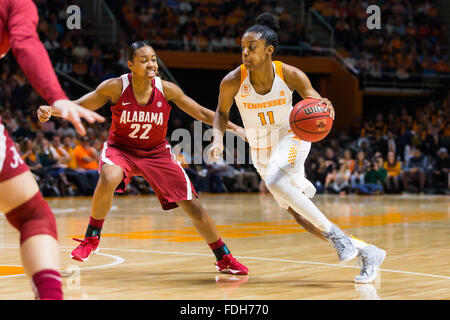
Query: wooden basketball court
point(146, 253)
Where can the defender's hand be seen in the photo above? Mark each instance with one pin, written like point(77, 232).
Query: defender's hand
point(73, 112)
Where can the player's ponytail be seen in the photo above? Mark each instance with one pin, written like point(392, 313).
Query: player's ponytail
point(266, 25)
point(134, 46)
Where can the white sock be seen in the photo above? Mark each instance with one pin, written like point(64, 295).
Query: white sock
point(359, 244)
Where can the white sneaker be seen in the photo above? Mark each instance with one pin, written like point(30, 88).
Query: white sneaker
point(342, 243)
point(371, 258)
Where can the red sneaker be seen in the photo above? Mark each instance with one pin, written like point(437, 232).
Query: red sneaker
point(87, 247)
point(230, 265)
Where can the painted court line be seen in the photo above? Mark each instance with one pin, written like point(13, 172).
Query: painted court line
point(242, 257)
point(277, 260)
point(117, 260)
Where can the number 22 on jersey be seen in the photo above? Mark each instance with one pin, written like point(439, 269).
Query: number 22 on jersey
point(136, 127)
point(262, 117)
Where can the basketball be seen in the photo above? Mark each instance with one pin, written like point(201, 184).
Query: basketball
point(309, 121)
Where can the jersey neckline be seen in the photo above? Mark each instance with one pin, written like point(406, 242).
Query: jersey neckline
point(150, 99)
point(273, 82)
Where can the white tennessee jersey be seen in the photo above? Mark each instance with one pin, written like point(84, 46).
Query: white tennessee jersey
point(265, 117)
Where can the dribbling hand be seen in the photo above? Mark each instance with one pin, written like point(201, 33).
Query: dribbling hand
point(328, 105)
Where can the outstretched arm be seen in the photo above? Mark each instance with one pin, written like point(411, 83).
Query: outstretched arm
point(228, 89)
point(108, 90)
point(298, 81)
point(192, 108)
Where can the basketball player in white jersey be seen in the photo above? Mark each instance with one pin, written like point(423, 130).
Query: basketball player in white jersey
point(262, 90)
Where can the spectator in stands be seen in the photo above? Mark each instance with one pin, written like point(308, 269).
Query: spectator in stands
point(414, 175)
point(66, 130)
point(361, 166)
point(246, 177)
point(31, 157)
point(339, 180)
point(349, 161)
point(440, 172)
point(65, 65)
point(66, 161)
point(87, 159)
point(317, 174)
point(373, 180)
point(393, 168)
point(80, 51)
point(432, 141)
point(24, 130)
point(56, 169)
point(330, 159)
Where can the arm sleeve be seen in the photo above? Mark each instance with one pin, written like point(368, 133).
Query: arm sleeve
point(30, 52)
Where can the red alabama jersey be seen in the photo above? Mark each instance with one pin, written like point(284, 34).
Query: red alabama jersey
point(139, 127)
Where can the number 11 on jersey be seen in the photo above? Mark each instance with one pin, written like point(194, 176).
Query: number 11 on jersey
point(262, 117)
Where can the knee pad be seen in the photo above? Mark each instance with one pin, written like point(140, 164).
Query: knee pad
point(32, 218)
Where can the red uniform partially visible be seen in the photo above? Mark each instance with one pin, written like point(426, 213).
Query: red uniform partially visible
point(137, 143)
point(18, 22)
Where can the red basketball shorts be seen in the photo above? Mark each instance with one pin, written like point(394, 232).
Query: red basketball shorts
point(11, 163)
point(158, 167)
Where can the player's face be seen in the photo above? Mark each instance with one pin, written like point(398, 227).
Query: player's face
point(255, 51)
point(144, 63)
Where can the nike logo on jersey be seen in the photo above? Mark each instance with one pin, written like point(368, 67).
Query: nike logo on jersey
point(267, 104)
point(124, 104)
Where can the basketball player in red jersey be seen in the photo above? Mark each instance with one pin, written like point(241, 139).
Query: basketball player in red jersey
point(20, 197)
point(136, 146)
point(280, 161)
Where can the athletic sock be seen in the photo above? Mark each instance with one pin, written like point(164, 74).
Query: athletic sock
point(47, 285)
point(359, 244)
point(94, 228)
point(219, 249)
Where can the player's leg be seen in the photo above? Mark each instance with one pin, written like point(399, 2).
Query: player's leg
point(286, 181)
point(306, 224)
point(173, 188)
point(200, 218)
point(207, 229)
point(28, 212)
point(111, 176)
point(371, 256)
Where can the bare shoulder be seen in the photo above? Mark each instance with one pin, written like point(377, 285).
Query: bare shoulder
point(291, 72)
point(232, 81)
point(111, 88)
point(171, 90)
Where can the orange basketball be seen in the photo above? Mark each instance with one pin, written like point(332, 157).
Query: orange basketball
point(309, 121)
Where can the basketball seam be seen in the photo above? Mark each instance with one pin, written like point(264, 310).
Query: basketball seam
point(322, 132)
point(322, 116)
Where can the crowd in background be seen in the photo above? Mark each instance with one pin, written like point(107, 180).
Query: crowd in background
point(405, 150)
point(396, 152)
point(411, 39)
point(203, 25)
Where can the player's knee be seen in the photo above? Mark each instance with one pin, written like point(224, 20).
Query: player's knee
point(304, 185)
point(110, 179)
point(34, 217)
